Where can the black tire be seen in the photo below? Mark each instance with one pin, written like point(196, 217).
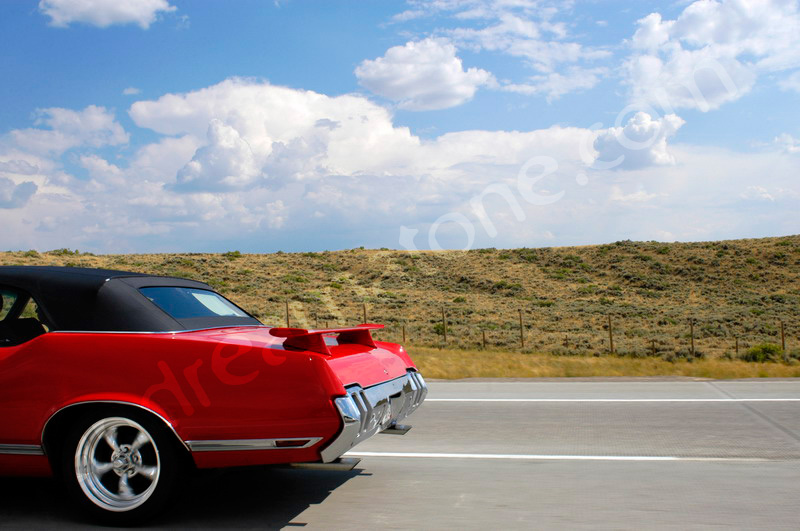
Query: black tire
point(121, 467)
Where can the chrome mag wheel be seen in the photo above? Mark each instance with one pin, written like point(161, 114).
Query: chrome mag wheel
point(117, 464)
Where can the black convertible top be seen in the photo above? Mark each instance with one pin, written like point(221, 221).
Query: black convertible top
point(82, 299)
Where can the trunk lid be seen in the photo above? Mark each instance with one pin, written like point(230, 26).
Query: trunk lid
point(353, 355)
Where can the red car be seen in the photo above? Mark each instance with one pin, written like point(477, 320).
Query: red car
point(119, 383)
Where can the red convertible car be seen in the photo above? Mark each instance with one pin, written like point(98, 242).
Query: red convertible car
point(118, 383)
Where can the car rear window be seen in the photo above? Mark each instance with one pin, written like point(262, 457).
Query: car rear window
point(190, 303)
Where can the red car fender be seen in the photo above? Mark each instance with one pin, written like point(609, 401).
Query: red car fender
point(118, 399)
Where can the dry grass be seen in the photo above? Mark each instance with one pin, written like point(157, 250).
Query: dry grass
point(455, 364)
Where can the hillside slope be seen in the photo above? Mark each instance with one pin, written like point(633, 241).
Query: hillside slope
point(732, 289)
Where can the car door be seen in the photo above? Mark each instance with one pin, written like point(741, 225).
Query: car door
point(19, 386)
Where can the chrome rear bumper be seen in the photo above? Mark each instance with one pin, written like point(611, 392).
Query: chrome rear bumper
point(366, 412)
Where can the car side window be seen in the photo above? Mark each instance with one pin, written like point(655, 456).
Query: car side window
point(31, 311)
point(7, 300)
point(20, 318)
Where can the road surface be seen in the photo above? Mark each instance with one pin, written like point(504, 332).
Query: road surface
point(544, 454)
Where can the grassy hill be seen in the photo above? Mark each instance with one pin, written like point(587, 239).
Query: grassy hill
point(731, 289)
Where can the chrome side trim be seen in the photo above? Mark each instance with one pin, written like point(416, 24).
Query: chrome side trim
point(235, 445)
point(365, 412)
point(117, 402)
point(21, 449)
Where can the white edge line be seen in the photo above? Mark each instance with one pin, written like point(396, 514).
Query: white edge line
point(535, 457)
point(612, 400)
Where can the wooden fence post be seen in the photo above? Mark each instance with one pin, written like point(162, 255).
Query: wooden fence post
point(521, 331)
point(654, 347)
point(364, 308)
point(737, 346)
point(783, 344)
point(287, 313)
point(404, 333)
point(691, 333)
point(444, 326)
point(610, 335)
point(483, 335)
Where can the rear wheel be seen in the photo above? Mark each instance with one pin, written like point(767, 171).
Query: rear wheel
point(122, 469)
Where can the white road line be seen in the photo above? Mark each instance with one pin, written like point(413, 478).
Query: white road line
point(535, 457)
point(612, 400)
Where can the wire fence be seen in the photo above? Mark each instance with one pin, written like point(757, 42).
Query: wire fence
point(609, 334)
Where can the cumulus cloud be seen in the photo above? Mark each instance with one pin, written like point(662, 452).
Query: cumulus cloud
point(712, 53)
point(104, 13)
point(246, 164)
point(93, 126)
point(640, 143)
point(273, 119)
point(525, 30)
point(227, 162)
point(159, 162)
point(14, 195)
point(103, 174)
point(422, 75)
point(131, 91)
point(239, 156)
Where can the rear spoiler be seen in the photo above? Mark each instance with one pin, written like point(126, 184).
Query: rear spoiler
point(313, 340)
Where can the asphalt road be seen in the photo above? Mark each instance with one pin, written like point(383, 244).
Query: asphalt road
point(519, 455)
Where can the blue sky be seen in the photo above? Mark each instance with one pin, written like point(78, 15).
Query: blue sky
point(166, 125)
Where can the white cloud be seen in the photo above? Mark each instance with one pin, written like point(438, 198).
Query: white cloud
point(227, 162)
point(421, 76)
point(332, 172)
point(639, 196)
point(277, 213)
point(642, 142)
point(160, 161)
point(712, 53)
point(99, 168)
point(93, 126)
point(556, 84)
point(757, 192)
point(103, 174)
point(788, 143)
point(104, 13)
point(792, 82)
point(20, 167)
point(131, 91)
point(273, 119)
point(242, 154)
point(523, 29)
point(523, 37)
point(544, 10)
point(14, 195)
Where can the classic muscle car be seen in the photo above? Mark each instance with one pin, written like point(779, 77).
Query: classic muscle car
point(119, 383)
